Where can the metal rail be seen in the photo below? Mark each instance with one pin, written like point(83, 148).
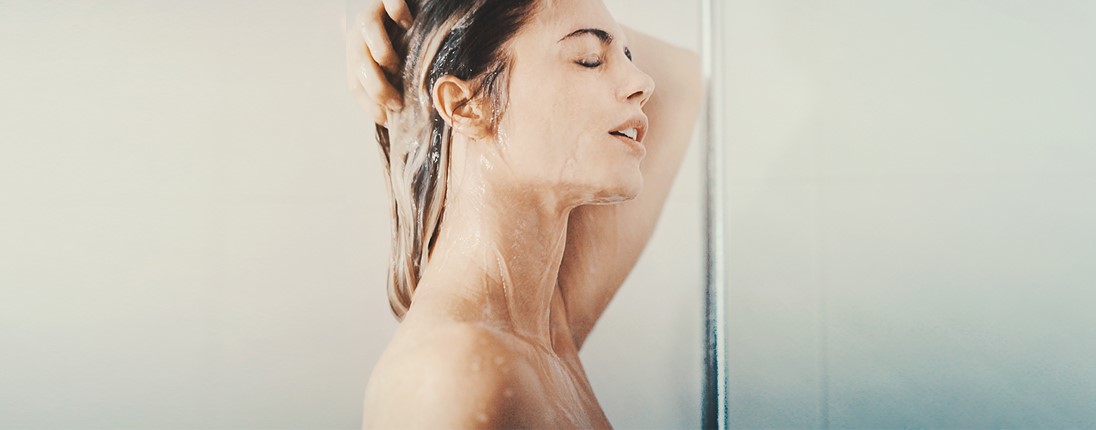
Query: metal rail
point(714, 396)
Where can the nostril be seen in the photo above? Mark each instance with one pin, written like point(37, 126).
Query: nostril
point(642, 96)
point(646, 86)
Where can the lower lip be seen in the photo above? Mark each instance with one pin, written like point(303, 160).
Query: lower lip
point(636, 147)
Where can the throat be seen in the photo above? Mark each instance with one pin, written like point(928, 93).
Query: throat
point(498, 264)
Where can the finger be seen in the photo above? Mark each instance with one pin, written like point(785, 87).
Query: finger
point(398, 11)
point(376, 85)
point(377, 113)
point(380, 46)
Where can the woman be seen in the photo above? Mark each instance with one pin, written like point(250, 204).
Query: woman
point(526, 179)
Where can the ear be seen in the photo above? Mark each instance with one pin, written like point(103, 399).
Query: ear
point(452, 99)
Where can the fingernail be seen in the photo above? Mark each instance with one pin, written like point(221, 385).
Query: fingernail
point(405, 24)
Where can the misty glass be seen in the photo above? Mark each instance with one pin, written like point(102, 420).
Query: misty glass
point(909, 228)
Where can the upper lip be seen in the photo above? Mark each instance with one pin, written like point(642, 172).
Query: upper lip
point(638, 122)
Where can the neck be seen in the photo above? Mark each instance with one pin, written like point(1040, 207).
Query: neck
point(497, 257)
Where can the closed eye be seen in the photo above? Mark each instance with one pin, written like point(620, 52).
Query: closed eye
point(589, 63)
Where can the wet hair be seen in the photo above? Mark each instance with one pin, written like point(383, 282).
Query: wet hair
point(467, 39)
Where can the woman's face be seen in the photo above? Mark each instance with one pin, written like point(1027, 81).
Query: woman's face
point(574, 122)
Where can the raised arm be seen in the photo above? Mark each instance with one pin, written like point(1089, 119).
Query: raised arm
point(604, 242)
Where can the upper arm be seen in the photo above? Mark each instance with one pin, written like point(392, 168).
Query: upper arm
point(604, 242)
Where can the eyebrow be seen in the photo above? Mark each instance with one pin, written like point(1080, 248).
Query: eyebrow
point(605, 37)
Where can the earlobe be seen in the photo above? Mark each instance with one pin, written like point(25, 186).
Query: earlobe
point(453, 99)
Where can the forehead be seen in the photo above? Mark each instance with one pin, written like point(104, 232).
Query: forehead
point(559, 18)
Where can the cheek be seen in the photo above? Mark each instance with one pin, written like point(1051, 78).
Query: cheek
point(558, 122)
point(547, 119)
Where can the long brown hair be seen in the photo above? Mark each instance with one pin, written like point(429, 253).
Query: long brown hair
point(465, 39)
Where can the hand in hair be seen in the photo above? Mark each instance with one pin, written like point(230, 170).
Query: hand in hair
point(370, 54)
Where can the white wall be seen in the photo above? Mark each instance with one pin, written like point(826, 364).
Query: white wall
point(911, 228)
point(193, 226)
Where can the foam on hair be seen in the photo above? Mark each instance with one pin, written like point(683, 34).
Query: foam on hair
point(465, 39)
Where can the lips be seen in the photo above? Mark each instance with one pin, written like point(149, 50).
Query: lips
point(634, 128)
point(630, 133)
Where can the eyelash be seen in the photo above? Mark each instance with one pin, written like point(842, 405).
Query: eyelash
point(589, 64)
point(597, 62)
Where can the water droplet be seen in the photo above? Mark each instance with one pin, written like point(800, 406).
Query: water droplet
point(482, 417)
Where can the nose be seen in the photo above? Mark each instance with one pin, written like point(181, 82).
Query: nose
point(638, 85)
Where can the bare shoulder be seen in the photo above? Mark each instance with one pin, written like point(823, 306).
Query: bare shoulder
point(450, 376)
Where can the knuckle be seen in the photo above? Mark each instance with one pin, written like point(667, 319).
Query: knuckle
point(385, 56)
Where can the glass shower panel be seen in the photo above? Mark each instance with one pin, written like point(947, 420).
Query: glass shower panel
point(910, 232)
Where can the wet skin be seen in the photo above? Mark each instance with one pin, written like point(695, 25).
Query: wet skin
point(530, 252)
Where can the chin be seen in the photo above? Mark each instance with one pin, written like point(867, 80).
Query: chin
point(625, 187)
